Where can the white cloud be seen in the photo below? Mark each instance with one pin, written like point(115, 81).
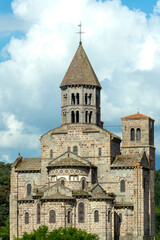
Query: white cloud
point(123, 46)
point(17, 135)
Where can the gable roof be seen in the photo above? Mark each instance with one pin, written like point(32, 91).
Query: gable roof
point(130, 160)
point(28, 164)
point(136, 116)
point(69, 159)
point(80, 71)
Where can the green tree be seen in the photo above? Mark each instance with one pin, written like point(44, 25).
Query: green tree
point(4, 192)
point(4, 231)
point(58, 234)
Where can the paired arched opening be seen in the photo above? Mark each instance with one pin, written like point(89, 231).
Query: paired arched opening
point(88, 116)
point(88, 98)
point(75, 99)
point(74, 116)
point(138, 134)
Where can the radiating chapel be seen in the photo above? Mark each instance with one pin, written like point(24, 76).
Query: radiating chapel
point(85, 177)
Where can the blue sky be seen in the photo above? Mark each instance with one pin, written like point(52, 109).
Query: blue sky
point(144, 5)
point(37, 42)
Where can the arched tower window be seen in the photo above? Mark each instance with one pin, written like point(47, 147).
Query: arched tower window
point(132, 134)
point(29, 187)
point(122, 186)
point(81, 213)
point(90, 116)
point(109, 216)
point(86, 98)
point(69, 217)
point(38, 214)
point(52, 216)
point(138, 134)
point(75, 150)
point(96, 216)
point(72, 99)
point(83, 184)
point(86, 116)
point(26, 218)
point(77, 116)
point(77, 99)
point(72, 117)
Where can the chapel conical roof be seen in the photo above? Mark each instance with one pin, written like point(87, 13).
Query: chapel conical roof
point(80, 71)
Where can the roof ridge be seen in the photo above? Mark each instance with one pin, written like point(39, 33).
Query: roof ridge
point(135, 115)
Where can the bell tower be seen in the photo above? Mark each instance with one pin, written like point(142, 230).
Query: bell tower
point(80, 92)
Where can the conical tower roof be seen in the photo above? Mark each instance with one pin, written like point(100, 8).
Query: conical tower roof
point(80, 71)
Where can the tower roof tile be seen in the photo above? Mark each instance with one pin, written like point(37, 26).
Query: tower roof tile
point(80, 71)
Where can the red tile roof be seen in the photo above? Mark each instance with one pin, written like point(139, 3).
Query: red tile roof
point(135, 116)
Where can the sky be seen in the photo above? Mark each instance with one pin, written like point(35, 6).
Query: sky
point(38, 41)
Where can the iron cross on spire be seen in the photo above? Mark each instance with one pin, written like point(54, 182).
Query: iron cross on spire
point(80, 32)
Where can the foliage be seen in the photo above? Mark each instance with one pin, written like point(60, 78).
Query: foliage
point(4, 192)
point(58, 234)
point(4, 231)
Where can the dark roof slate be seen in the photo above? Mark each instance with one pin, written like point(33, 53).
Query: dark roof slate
point(127, 160)
point(69, 161)
point(29, 164)
point(80, 71)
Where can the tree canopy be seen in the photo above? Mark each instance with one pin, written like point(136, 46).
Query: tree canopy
point(42, 233)
point(4, 192)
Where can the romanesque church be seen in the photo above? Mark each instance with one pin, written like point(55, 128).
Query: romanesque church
point(85, 177)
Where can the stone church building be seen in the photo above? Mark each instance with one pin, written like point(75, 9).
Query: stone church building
point(85, 178)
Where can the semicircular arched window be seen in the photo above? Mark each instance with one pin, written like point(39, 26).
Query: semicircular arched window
point(122, 186)
point(109, 216)
point(29, 189)
point(138, 134)
point(83, 183)
point(75, 150)
point(38, 213)
point(62, 182)
point(52, 216)
point(81, 212)
point(26, 218)
point(96, 216)
point(69, 217)
point(132, 134)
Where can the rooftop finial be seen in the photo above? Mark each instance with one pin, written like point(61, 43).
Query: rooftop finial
point(138, 110)
point(80, 32)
